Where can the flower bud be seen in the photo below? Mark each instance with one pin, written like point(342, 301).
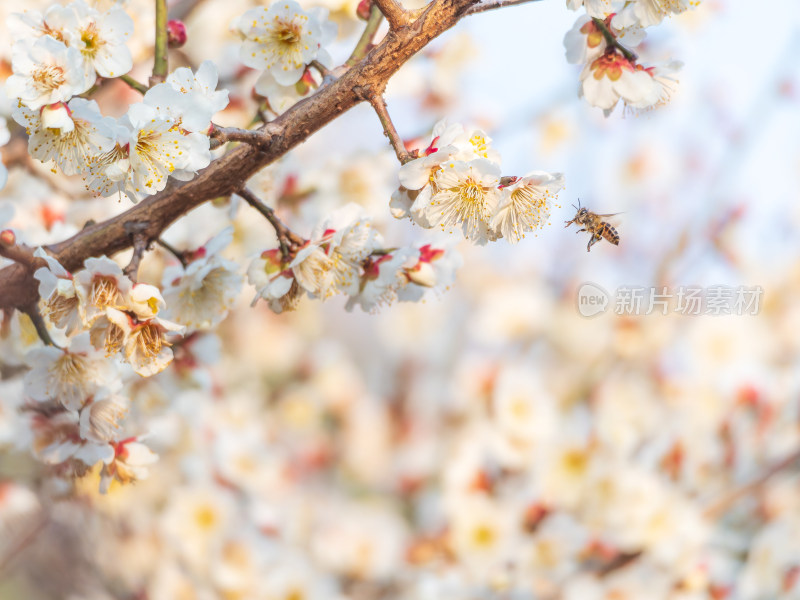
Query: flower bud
point(176, 33)
point(7, 238)
point(57, 116)
point(363, 9)
point(146, 300)
point(422, 274)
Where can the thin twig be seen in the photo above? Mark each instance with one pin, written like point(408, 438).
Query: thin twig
point(611, 39)
point(139, 87)
point(286, 238)
point(23, 541)
point(180, 255)
point(38, 322)
point(161, 59)
point(395, 14)
point(379, 104)
point(365, 41)
point(483, 7)
point(323, 70)
point(19, 253)
point(720, 506)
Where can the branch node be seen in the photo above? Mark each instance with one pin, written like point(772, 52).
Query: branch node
point(395, 14)
point(136, 229)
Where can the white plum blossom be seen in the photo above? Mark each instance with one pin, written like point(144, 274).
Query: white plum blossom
point(45, 72)
point(284, 38)
point(145, 300)
point(30, 25)
point(189, 99)
point(69, 135)
point(435, 269)
point(101, 38)
point(144, 342)
point(612, 77)
point(383, 276)
point(525, 204)
point(57, 441)
point(57, 290)
point(584, 42)
point(101, 284)
point(109, 172)
point(100, 418)
point(158, 149)
point(651, 12)
point(348, 238)
point(466, 196)
point(274, 281)
point(312, 269)
point(129, 463)
point(200, 294)
point(596, 8)
point(69, 376)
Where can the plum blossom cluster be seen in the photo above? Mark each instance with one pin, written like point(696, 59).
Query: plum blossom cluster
point(282, 41)
point(60, 54)
point(346, 255)
point(456, 183)
point(111, 325)
point(601, 40)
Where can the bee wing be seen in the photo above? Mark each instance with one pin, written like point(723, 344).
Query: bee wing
point(611, 214)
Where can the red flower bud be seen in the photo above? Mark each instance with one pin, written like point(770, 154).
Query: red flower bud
point(363, 9)
point(176, 34)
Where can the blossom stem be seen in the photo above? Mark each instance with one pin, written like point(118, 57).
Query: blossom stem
point(395, 14)
point(161, 60)
point(286, 238)
point(181, 256)
point(720, 506)
point(365, 41)
point(139, 87)
point(379, 104)
point(38, 322)
point(323, 70)
point(611, 39)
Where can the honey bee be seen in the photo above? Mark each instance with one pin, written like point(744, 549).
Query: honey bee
point(594, 224)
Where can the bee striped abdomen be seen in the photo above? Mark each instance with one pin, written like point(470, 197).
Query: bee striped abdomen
point(609, 233)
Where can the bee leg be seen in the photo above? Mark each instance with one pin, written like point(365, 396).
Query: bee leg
point(579, 230)
point(594, 239)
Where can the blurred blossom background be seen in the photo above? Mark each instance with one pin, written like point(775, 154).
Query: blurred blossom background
point(490, 442)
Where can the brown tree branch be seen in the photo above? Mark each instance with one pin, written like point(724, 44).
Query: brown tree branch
point(485, 6)
point(223, 135)
point(395, 14)
point(379, 104)
point(721, 505)
point(226, 174)
point(287, 239)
